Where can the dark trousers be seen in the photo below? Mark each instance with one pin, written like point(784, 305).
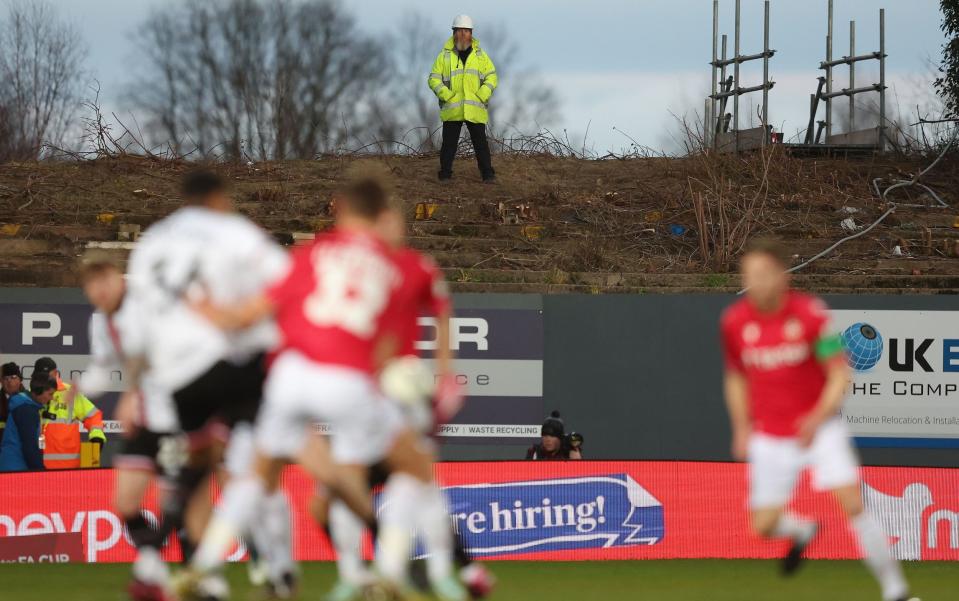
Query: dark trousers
point(451, 139)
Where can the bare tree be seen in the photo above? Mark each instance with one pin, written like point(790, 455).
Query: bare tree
point(256, 79)
point(524, 102)
point(41, 58)
point(408, 112)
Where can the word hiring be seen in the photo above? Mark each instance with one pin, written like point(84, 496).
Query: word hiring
point(584, 517)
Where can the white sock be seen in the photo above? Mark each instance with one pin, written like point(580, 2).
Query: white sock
point(433, 524)
point(876, 556)
point(241, 500)
point(277, 523)
point(397, 520)
point(149, 567)
point(793, 527)
point(347, 532)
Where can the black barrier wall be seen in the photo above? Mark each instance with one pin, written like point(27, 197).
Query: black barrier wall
point(639, 376)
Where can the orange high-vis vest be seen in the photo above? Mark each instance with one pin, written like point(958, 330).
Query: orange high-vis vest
point(61, 434)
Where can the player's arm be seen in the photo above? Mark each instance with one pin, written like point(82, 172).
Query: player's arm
point(104, 360)
point(127, 411)
point(830, 354)
point(280, 273)
point(736, 392)
point(444, 352)
point(238, 316)
point(735, 389)
point(449, 393)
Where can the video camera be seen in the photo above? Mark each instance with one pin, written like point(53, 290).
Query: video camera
point(573, 441)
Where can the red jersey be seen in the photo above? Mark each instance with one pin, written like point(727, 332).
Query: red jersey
point(423, 292)
point(781, 355)
point(331, 304)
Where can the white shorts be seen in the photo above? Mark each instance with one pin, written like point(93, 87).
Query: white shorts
point(240, 450)
point(775, 464)
point(300, 393)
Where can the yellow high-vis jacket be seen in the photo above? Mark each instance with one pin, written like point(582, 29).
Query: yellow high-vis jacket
point(62, 432)
point(464, 90)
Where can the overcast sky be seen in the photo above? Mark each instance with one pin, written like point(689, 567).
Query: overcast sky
point(627, 64)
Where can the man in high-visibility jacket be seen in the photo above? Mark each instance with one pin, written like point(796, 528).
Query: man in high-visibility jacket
point(60, 424)
point(464, 78)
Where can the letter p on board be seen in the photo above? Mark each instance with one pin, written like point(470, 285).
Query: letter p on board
point(39, 325)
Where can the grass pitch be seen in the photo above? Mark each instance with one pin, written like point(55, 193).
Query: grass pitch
point(674, 580)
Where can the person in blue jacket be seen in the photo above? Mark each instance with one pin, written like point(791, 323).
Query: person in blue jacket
point(20, 447)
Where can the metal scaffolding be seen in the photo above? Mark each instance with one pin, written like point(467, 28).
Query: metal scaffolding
point(722, 128)
point(875, 137)
point(718, 132)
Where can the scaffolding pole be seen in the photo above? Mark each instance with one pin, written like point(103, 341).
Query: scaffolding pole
point(711, 117)
point(736, 75)
point(882, 80)
point(852, 75)
point(720, 124)
point(766, 75)
point(829, 66)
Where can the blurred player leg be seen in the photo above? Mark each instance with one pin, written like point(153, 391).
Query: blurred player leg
point(272, 539)
point(433, 523)
point(150, 573)
point(282, 431)
point(413, 500)
point(411, 385)
point(346, 533)
point(332, 482)
point(874, 545)
point(343, 528)
point(238, 506)
point(836, 468)
point(397, 520)
point(774, 467)
point(277, 524)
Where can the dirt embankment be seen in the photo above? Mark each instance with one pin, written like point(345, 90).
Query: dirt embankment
point(548, 225)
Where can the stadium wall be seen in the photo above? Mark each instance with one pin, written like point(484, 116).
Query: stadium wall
point(548, 511)
point(638, 375)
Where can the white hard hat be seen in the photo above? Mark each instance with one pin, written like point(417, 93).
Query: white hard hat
point(462, 22)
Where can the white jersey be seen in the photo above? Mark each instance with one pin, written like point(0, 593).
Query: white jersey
point(192, 253)
point(111, 339)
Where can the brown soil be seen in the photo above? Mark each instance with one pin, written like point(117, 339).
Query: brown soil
point(589, 226)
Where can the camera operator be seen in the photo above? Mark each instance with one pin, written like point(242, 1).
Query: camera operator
point(555, 445)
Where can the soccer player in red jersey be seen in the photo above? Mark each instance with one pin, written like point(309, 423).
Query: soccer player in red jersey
point(409, 382)
point(337, 331)
point(785, 380)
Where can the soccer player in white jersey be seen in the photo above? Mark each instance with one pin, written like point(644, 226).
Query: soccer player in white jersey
point(147, 416)
point(785, 380)
point(215, 378)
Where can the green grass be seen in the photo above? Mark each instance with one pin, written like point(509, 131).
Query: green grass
point(676, 580)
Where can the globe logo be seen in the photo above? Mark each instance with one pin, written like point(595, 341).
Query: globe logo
point(863, 345)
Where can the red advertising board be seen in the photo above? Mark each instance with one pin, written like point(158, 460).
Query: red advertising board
point(589, 510)
point(42, 548)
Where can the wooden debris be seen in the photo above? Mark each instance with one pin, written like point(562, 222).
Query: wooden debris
point(532, 232)
point(129, 232)
point(425, 210)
